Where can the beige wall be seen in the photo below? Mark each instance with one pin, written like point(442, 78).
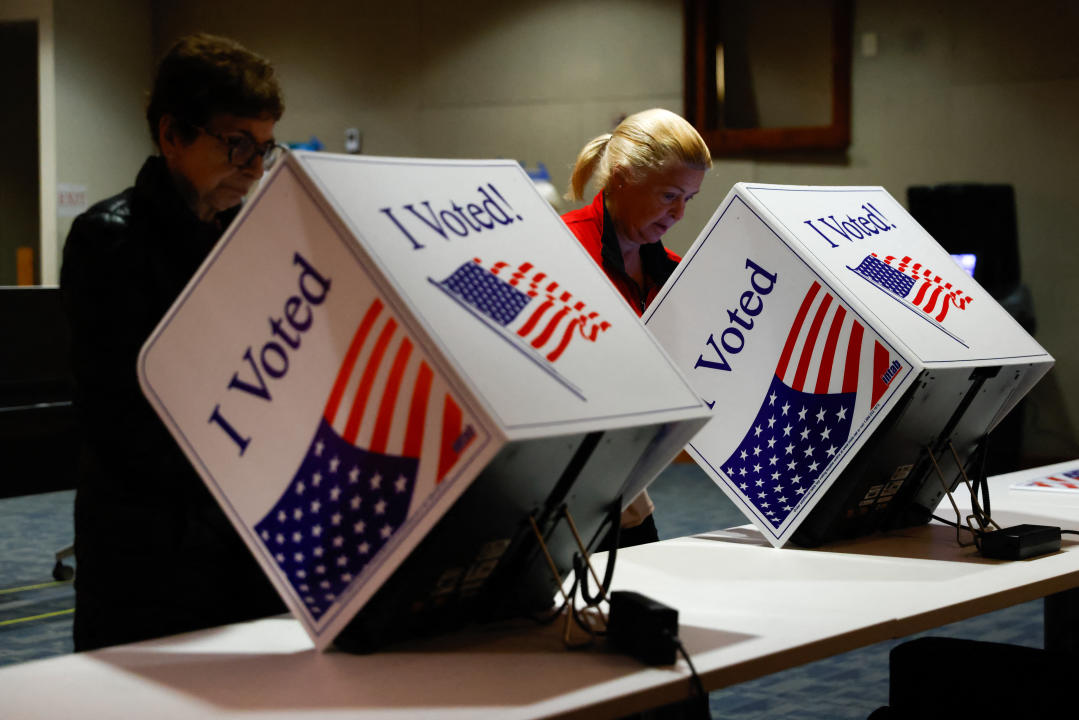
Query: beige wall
point(104, 64)
point(959, 91)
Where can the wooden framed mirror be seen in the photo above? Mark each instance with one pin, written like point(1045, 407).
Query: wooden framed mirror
point(769, 77)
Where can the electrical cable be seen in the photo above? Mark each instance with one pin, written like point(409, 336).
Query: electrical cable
point(695, 679)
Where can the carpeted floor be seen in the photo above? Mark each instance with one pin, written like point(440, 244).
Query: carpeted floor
point(35, 611)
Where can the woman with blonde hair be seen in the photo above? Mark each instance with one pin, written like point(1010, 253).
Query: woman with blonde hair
point(646, 170)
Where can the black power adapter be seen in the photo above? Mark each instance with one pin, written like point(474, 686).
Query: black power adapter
point(643, 627)
point(1020, 541)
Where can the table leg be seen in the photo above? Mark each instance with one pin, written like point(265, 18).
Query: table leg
point(1062, 621)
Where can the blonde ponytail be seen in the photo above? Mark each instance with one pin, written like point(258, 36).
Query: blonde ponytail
point(641, 143)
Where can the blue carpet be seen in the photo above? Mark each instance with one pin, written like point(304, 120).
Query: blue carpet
point(850, 685)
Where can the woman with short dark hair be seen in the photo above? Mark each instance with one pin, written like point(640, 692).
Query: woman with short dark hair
point(155, 555)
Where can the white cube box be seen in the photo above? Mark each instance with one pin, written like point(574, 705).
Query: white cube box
point(375, 341)
point(843, 353)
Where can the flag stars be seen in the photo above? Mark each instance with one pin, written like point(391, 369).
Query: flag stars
point(743, 455)
point(782, 500)
point(789, 449)
point(809, 450)
point(779, 489)
point(316, 506)
point(804, 434)
point(265, 535)
point(757, 431)
point(813, 466)
point(791, 465)
point(757, 468)
point(743, 472)
point(316, 530)
point(744, 486)
point(773, 460)
point(796, 479)
point(800, 490)
point(335, 493)
point(820, 415)
point(335, 463)
point(401, 485)
point(346, 577)
point(319, 447)
point(317, 552)
point(297, 514)
point(342, 561)
point(297, 536)
point(335, 519)
point(364, 548)
point(759, 483)
point(376, 481)
point(316, 479)
point(354, 475)
point(298, 557)
point(359, 527)
point(338, 541)
point(786, 407)
point(841, 414)
point(300, 488)
point(771, 443)
point(787, 430)
point(771, 422)
point(775, 475)
point(772, 399)
point(281, 516)
point(831, 450)
point(762, 495)
point(380, 507)
point(802, 413)
point(280, 539)
point(386, 531)
point(354, 503)
point(756, 451)
point(320, 569)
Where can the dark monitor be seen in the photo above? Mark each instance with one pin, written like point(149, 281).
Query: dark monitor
point(893, 480)
point(977, 219)
point(482, 561)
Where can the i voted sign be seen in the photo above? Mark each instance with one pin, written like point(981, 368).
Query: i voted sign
point(366, 337)
point(801, 315)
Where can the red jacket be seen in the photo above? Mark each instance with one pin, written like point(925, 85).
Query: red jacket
point(592, 227)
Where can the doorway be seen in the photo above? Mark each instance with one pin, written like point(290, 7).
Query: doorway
point(20, 181)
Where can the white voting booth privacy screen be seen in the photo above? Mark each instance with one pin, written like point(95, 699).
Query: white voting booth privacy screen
point(804, 316)
point(366, 338)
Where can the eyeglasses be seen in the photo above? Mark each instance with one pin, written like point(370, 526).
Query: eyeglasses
point(243, 149)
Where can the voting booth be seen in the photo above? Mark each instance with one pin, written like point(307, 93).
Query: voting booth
point(388, 370)
point(852, 368)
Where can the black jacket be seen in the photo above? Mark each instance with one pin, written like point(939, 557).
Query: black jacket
point(155, 554)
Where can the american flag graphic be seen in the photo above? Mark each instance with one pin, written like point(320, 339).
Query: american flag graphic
point(1066, 481)
point(830, 372)
point(389, 426)
point(912, 281)
point(527, 308)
